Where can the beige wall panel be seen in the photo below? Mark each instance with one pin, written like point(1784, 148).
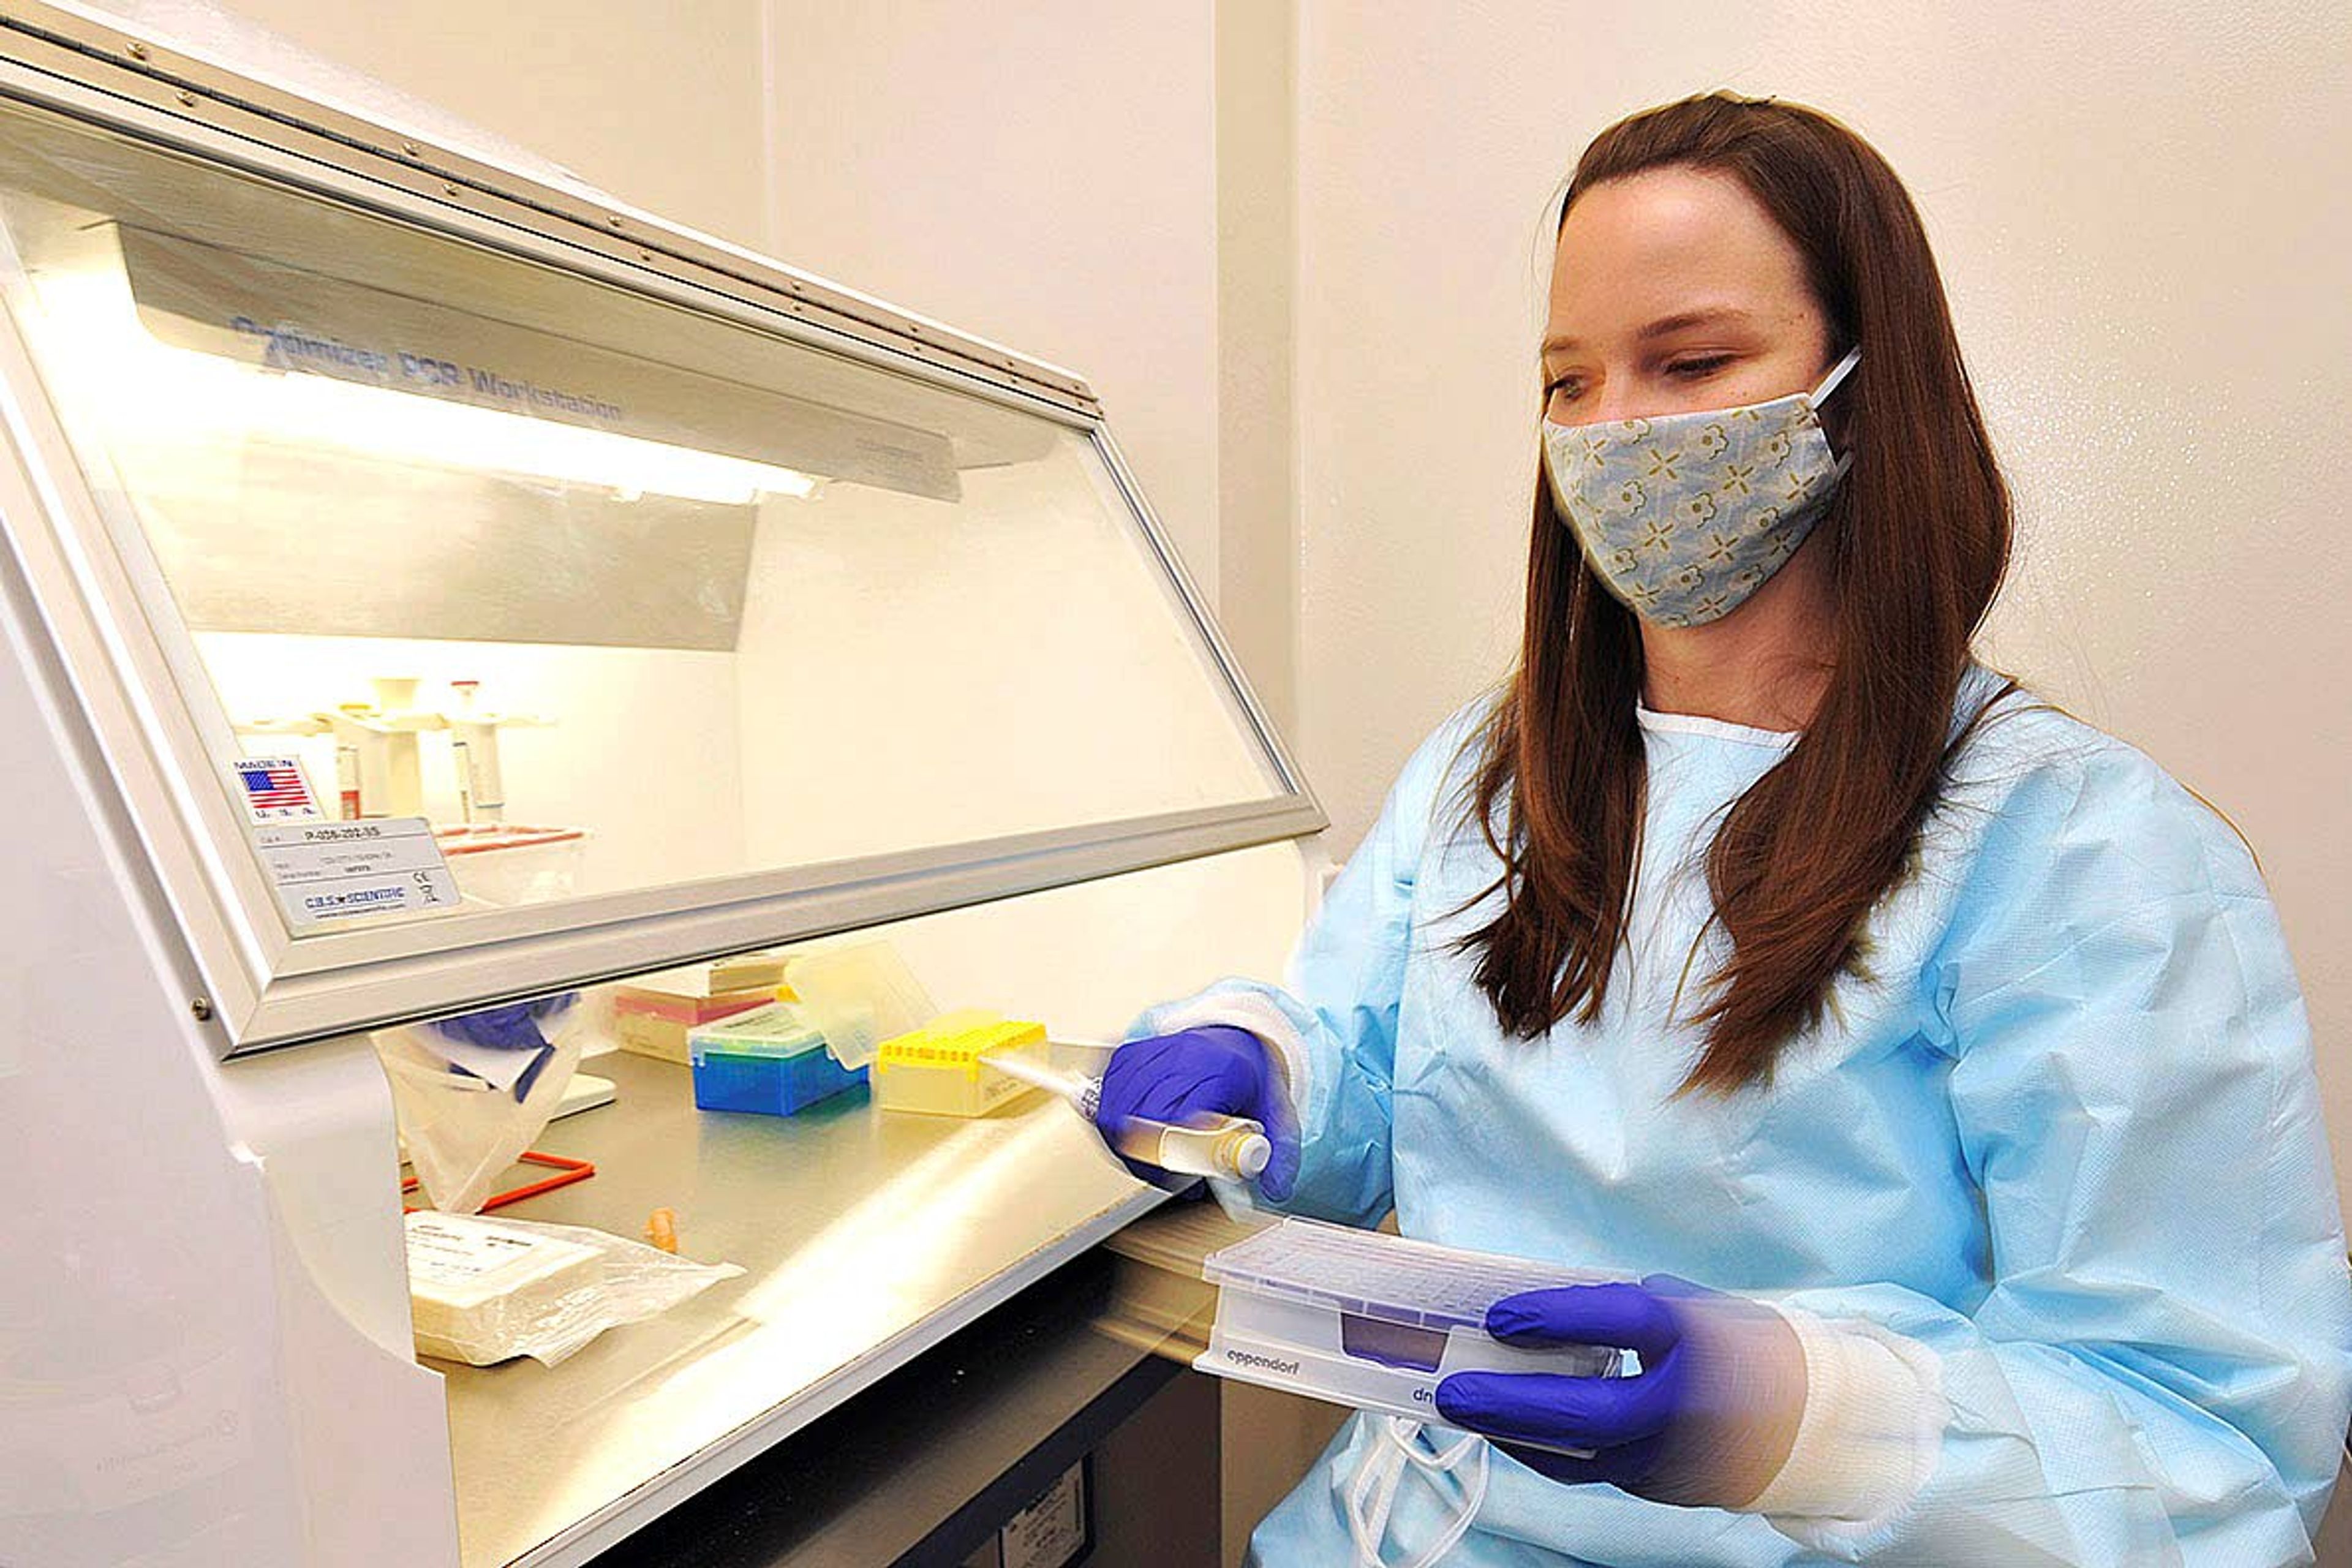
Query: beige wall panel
point(658, 104)
point(1041, 174)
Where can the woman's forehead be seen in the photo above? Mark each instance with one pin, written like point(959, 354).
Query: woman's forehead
point(1668, 243)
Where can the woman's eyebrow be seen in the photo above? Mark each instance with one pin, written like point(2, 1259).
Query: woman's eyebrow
point(1707, 316)
point(1665, 326)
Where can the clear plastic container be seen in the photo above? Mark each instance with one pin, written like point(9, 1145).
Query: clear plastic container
point(769, 1061)
point(1372, 1320)
point(857, 996)
point(504, 864)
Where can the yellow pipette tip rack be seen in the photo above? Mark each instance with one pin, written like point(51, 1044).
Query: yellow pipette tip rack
point(937, 1069)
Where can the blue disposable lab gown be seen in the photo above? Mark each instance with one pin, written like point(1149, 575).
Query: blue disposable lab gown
point(2064, 1134)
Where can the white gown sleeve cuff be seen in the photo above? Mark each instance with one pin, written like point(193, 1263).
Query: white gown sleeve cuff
point(1873, 1425)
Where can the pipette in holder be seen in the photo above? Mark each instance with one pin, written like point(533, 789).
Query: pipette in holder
point(1230, 1146)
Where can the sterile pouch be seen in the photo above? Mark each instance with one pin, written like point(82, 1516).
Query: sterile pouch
point(483, 1289)
point(471, 1092)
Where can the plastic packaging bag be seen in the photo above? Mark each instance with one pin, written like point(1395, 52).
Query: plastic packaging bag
point(483, 1289)
point(501, 863)
point(471, 1092)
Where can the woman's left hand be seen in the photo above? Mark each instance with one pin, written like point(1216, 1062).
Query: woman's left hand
point(1708, 1422)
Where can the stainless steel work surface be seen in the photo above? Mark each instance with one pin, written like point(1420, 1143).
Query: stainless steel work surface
point(866, 1237)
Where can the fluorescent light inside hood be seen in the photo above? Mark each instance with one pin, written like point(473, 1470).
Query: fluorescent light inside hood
point(159, 391)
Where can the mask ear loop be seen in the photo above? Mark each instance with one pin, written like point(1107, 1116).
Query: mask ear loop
point(1371, 1499)
point(1473, 1496)
point(1838, 373)
point(1813, 399)
point(1384, 1470)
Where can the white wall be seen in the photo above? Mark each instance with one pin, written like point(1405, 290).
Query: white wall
point(1108, 187)
point(2139, 212)
point(659, 104)
point(1039, 174)
point(1257, 306)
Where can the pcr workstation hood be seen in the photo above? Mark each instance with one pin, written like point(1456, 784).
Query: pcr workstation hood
point(428, 587)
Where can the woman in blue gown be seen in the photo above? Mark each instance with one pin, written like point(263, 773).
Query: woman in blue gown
point(1930, 1066)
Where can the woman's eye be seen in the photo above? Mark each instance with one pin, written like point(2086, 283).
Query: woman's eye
point(1697, 366)
point(1567, 389)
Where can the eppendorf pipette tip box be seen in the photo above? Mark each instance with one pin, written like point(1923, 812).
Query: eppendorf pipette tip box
point(1372, 1320)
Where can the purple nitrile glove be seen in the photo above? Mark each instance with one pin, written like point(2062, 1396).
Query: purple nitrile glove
point(1215, 1070)
point(513, 1028)
point(1708, 1422)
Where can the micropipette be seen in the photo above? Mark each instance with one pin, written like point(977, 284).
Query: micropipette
point(1229, 1146)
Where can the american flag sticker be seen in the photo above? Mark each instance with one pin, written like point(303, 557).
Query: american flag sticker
point(275, 790)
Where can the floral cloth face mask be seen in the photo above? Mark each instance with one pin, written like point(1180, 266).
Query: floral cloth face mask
point(1685, 515)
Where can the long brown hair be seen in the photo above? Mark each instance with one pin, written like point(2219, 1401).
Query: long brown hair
point(1915, 545)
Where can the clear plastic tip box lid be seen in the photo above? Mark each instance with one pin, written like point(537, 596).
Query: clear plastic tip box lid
point(1372, 1320)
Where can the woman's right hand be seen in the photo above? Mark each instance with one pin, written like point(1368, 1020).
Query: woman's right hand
point(1215, 1070)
